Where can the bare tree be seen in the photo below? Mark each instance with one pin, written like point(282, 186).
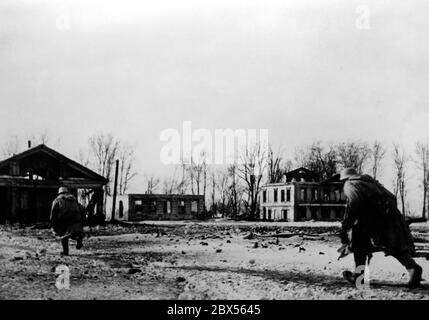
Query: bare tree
point(353, 154)
point(83, 157)
point(11, 147)
point(176, 183)
point(169, 185)
point(328, 160)
point(204, 171)
point(213, 181)
point(234, 192)
point(287, 166)
point(197, 173)
point(251, 169)
point(378, 151)
point(14, 146)
point(422, 153)
point(400, 159)
point(152, 184)
point(223, 189)
point(43, 137)
point(126, 167)
point(84, 195)
point(300, 157)
point(191, 171)
point(275, 166)
point(182, 185)
point(104, 148)
point(318, 158)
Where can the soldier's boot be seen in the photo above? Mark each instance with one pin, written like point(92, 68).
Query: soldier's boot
point(361, 259)
point(79, 242)
point(414, 270)
point(415, 277)
point(350, 277)
point(65, 244)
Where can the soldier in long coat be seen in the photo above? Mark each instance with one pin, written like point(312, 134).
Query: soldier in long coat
point(67, 217)
point(376, 224)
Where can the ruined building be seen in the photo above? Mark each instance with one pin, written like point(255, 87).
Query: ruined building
point(137, 207)
point(302, 196)
point(29, 182)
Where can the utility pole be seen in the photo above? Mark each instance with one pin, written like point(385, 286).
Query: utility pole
point(115, 190)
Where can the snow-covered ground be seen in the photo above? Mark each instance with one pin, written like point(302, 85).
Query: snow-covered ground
point(203, 260)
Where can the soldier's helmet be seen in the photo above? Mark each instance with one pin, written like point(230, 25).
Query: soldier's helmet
point(347, 173)
point(63, 190)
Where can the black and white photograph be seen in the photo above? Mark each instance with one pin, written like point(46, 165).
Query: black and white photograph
point(235, 151)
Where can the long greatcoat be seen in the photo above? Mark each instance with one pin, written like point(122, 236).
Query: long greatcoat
point(373, 217)
point(67, 216)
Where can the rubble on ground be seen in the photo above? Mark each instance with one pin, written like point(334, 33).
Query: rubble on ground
point(202, 261)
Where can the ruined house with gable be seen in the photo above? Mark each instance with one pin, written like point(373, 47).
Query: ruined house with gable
point(29, 182)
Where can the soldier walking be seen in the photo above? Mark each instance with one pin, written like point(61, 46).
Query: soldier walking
point(67, 217)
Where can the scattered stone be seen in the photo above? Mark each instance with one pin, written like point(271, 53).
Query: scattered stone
point(17, 258)
point(180, 279)
point(252, 261)
point(255, 245)
point(204, 243)
point(133, 270)
point(218, 250)
point(40, 252)
point(21, 256)
point(228, 241)
point(301, 249)
point(183, 252)
point(250, 236)
point(321, 253)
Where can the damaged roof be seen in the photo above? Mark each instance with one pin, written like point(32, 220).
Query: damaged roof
point(43, 149)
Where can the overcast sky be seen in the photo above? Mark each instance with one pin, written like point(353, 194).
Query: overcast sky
point(301, 69)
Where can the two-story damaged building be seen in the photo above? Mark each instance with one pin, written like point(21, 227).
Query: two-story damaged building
point(137, 207)
point(302, 196)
